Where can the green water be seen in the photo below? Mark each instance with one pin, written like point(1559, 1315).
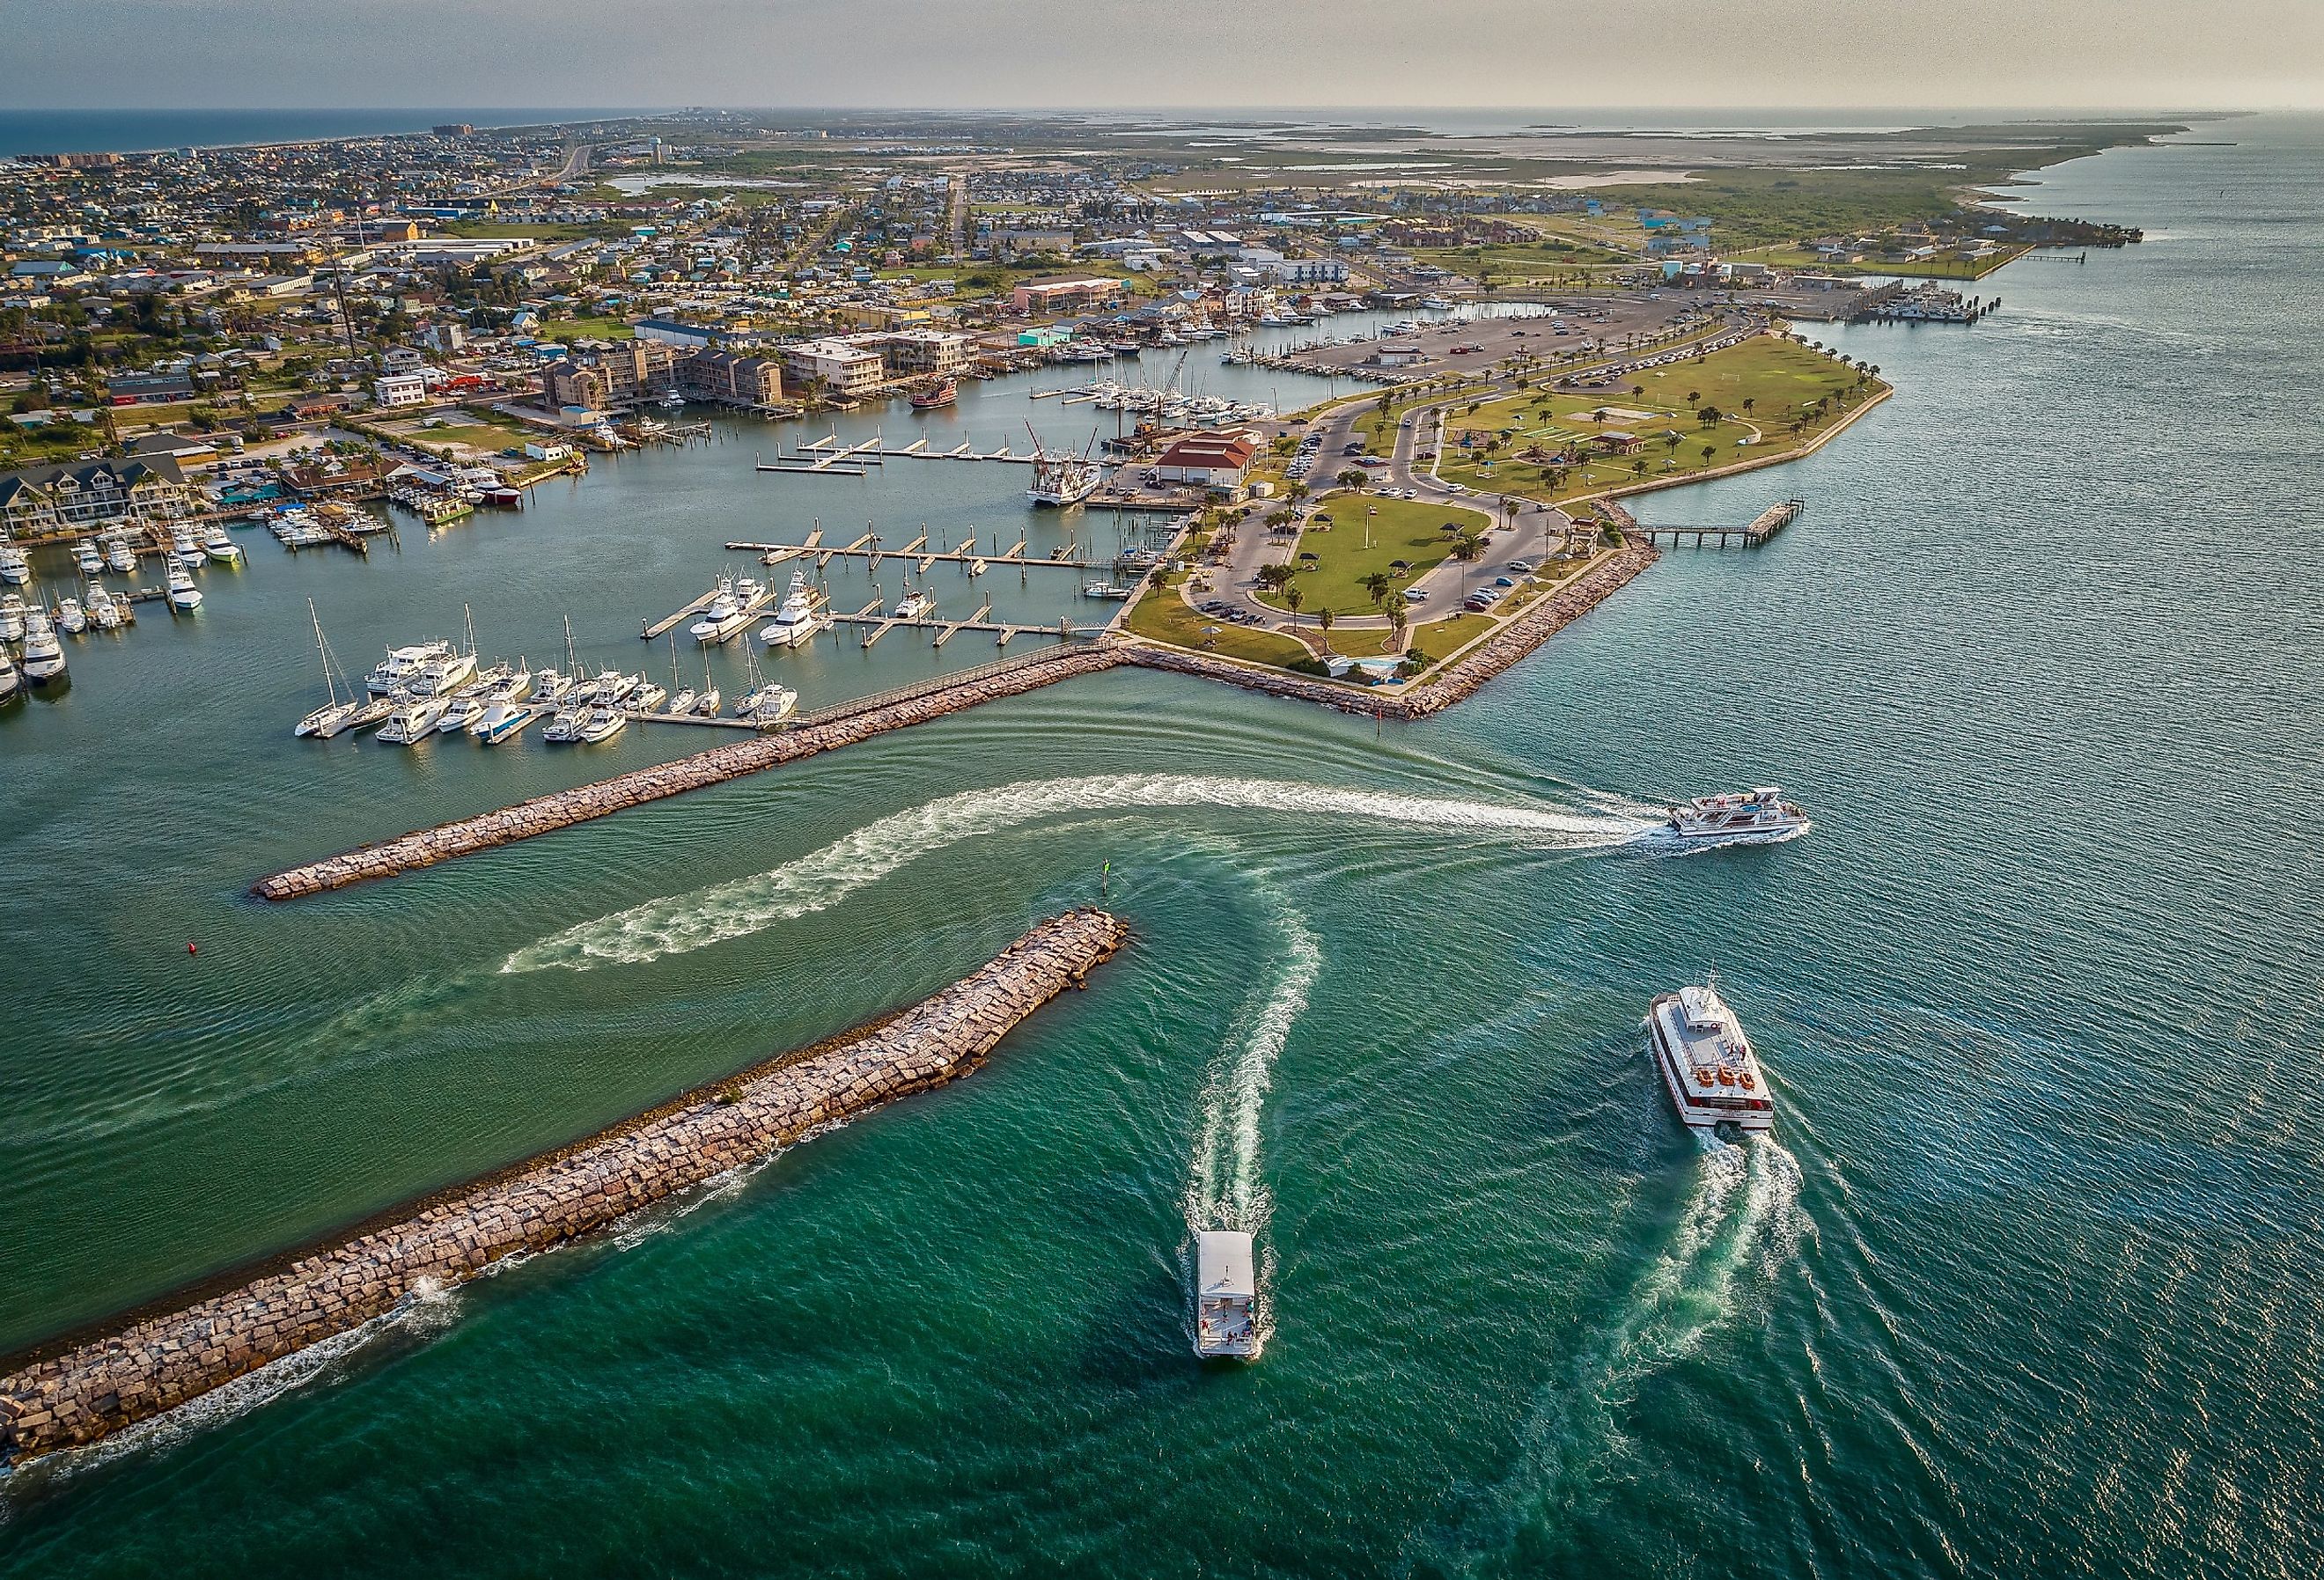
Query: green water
point(2025, 1287)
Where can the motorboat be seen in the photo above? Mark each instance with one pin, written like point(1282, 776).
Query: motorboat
point(1760, 812)
point(401, 663)
point(727, 614)
point(71, 619)
point(184, 596)
point(1226, 1296)
point(184, 545)
point(119, 555)
point(565, 727)
point(219, 547)
point(106, 612)
point(769, 704)
point(414, 720)
point(550, 686)
point(918, 604)
point(800, 616)
point(501, 721)
point(90, 558)
point(44, 655)
point(611, 688)
point(647, 696)
point(504, 682)
point(441, 677)
point(11, 681)
point(16, 568)
point(460, 713)
point(12, 617)
point(1714, 1077)
point(601, 723)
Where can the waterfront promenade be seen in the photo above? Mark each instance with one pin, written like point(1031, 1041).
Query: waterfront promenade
point(137, 1369)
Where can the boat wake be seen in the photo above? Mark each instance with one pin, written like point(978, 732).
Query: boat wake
point(683, 922)
point(1225, 1188)
point(1741, 1223)
point(1660, 842)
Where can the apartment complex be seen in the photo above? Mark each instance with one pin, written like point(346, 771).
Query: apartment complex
point(93, 495)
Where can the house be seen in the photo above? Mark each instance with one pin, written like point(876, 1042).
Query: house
point(400, 389)
point(1208, 461)
point(84, 495)
point(149, 389)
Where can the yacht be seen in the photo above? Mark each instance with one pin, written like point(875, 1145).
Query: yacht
point(106, 612)
point(88, 557)
point(1226, 1294)
point(119, 555)
point(441, 677)
point(334, 715)
point(460, 713)
point(70, 618)
point(726, 615)
point(565, 726)
point(184, 545)
point(219, 547)
point(550, 686)
point(769, 704)
point(15, 570)
point(915, 605)
point(505, 683)
point(647, 697)
point(184, 596)
point(501, 721)
point(402, 664)
point(11, 682)
point(414, 719)
point(1761, 811)
point(601, 723)
point(1706, 1062)
point(12, 617)
point(801, 615)
point(44, 655)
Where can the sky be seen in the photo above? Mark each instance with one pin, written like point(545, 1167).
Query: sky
point(1956, 54)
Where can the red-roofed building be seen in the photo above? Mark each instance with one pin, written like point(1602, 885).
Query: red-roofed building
point(1208, 461)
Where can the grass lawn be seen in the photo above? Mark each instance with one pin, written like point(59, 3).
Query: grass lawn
point(498, 229)
point(586, 329)
point(1409, 530)
point(483, 435)
point(1162, 616)
point(1923, 268)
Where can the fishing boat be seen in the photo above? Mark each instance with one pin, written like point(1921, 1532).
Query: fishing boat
point(611, 688)
point(1061, 478)
point(184, 596)
point(1760, 811)
point(501, 721)
point(1707, 1065)
point(12, 617)
point(412, 720)
point(916, 604)
point(90, 558)
point(1226, 1296)
point(219, 547)
point(564, 728)
point(800, 616)
point(769, 704)
point(186, 546)
point(106, 612)
point(942, 394)
point(44, 655)
point(16, 568)
point(726, 615)
point(460, 713)
point(119, 555)
point(601, 723)
point(71, 619)
point(1106, 589)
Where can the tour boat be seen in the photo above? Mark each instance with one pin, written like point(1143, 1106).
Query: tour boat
point(1757, 811)
point(15, 570)
point(184, 596)
point(412, 720)
point(799, 617)
point(44, 655)
point(915, 605)
point(1706, 1062)
point(402, 664)
point(12, 617)
point(70, 620)
point(500, 721)
point(219, 547)
point(943, 395)
point(1226, 1292)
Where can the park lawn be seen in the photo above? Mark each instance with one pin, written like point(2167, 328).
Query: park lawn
point(1162, 616)
point(1410, 529)
point(517, 230)
point(483, 435)
point(587, 329)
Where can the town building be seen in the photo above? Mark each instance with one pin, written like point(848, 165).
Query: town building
point(1063, 295)
point(621, 375)
point(93, 495)
point(841, 366)
point(1208, 461)
point(731, 378)
point(392, 390)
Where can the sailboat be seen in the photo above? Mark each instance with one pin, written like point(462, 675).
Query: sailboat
point(681, 694)
point(334, 715)
point(705, 704)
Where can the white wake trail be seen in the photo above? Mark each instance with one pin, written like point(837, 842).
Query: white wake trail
point(678, 923)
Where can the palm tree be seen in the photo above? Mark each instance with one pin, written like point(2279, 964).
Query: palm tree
point(1292, 598)
point(1323, 618)
point(1378, 584)
point(1695, 397)
point(1709, 451)
point(1396, 621)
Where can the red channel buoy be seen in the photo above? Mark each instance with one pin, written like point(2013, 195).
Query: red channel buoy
point(189, 948)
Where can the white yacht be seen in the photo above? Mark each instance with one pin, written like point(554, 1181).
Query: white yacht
point(88, 558)
point(647, 697)
point(184, 596)
point(501, 721)
point(565, 726)
point(12, 617)
point(1760, 811)
point(1706, 1062)
point(916, 605)
point(550, 686)
point(610, 687)
point(10, 681)
point(186, 546)
point(728, 612)
point(119, 555)
point(44, 655)
point(769, 704)
point(601, 723)
point(413, 719)
point(219, 547)
point(15, 570)
point(70, 620)
point(402, 664)
point(1226, 1292)
point(442, 676)
point(106, 612)
point(460, 713)
point(801, 615)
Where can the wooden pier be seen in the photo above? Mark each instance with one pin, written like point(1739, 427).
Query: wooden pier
point(1764, 526)
point(966, 554)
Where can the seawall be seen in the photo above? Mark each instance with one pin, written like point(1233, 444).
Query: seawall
point(153, 1363)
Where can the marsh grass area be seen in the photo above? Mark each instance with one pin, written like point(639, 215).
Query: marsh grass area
point(1770, 396)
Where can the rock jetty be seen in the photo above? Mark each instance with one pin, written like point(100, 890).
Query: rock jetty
point(153, 1364)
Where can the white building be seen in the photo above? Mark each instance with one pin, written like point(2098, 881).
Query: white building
point(841, 366)
point(400, 389)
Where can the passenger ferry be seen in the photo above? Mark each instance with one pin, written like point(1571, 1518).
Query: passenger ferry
point(1707, 1064)
point(1763, 810)
point(1226, 1293)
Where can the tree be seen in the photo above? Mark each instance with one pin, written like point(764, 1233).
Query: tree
point(1379, 584)
point(1637, 391)
point(1353, 477)
point(1396, 621)
point(1323, 618)
point(1469, 548)
point(1638, 468)
point(1293, 598)
point(1747, 403)
point(1296, 491)
point(1709, 451)
point(1693, 397)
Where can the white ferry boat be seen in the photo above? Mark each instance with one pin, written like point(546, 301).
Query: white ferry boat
point(1763, 810)
point(801, 615)
point(1226, 1291)
point(1706, 1062)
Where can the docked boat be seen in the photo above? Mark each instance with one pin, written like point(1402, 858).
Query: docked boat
point(1707, 1065)
point(12, 617)
point(504, 682)
point(184, 596)
point(1060, 479)
point(1226, 1295)
point(414, 720)
point(601, 723)
point(186, 546)
point(943, 395)
point(460, 713)
point(1761, 811)
point(219, 547)
point(336, 715)
point(565, 727)
point(106, 612)
point(916, 604)
point(71, 618)
point(402, 664)
point(1106, 589)
point(90, 558)
point(11, 681)
point(647, 696)
point(119, 555)
point(800, 616)
point(16, 568)
point(550, 686)
point(501, 721)
point(442, 677)
point(611, 687)
point(727, 614)
point(44, 655)
point(769, 704)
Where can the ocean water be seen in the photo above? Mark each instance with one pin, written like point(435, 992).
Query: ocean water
point(136, 131)
point(2026, 1283)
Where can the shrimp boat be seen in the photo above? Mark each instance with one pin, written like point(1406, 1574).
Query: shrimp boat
point(1061, 478)
point(1707, 1064)
point(1226, 1293)
point(1760, 811)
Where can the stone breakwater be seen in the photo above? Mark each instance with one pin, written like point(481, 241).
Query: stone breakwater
point(1456, 681)
point(839, 726)
point(155, 1363)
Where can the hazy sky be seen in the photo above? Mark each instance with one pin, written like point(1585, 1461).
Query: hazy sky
point(1545, 54)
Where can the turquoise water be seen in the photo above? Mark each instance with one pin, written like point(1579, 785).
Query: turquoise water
point(2025, 1287)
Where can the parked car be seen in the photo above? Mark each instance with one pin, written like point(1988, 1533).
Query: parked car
point(1522, 567)
point(1415, 594)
